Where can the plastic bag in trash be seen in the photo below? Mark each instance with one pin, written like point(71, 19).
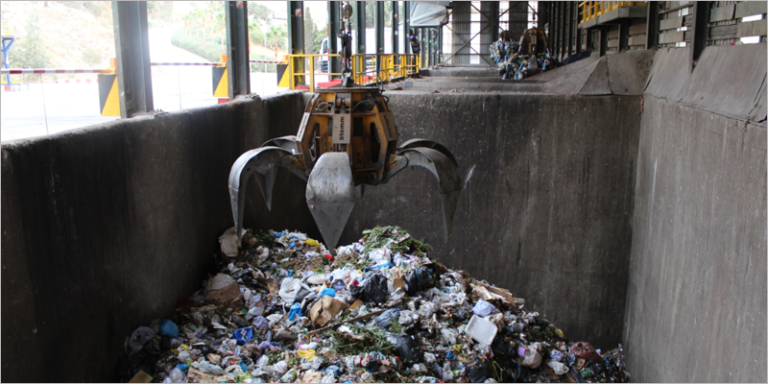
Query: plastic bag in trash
point(168, 328)
point(478, 372)
point(585, 350)
point(243, 335)
point(408, 349)
point(483, 308)
point(375, 287)
point(139, 337)
point(289, 289)
point(384, 320)
point(558, 367)
point(418, 280)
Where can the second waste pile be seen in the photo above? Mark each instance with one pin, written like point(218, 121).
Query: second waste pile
point(285, 309)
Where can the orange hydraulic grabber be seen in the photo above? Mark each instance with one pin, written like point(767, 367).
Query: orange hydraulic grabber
point(347, 139)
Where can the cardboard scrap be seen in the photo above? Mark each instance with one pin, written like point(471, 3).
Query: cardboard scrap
point(312, 377)
point(324, 310)
point(489, 293)
point(141, 377)
point(203, 377)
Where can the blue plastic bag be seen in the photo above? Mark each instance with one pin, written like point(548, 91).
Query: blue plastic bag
point(295, 311)
point(327, 291)
point(169, 328)
point(242, 335)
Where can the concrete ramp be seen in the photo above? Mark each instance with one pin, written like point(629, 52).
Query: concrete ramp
point(621, 74)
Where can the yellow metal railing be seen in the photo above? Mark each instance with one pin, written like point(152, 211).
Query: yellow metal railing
point(592, 9)
point(363, 66)
point(393, 66)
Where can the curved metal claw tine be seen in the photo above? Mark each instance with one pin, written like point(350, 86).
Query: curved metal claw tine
point(447, 174)
point(261, 163)
point(426, 143)
point(331, 195)
point(289, 143)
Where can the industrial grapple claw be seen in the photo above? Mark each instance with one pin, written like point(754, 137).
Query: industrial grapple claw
point(346, 140)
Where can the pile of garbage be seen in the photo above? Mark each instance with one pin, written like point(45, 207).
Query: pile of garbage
point(514, 65)
point(285, 309)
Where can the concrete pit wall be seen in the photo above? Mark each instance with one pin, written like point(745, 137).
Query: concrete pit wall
point(696, 308)
point(547, 203)
point(105, 228)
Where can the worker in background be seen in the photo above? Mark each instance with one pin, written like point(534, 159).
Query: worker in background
point(415, 47)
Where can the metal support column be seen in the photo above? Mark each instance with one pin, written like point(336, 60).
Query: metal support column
point(238, 67)
point(334, 18)
point(700, 30)
point(652, 26)
point(462, 20)
point(296, 36)
point(406, 26)
point(360, 26)
point(379, 28)
point(134, 75)
point(395, 29)
point(489, 28)
point(518, 18)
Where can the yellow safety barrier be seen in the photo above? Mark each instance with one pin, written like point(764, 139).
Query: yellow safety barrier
point(363, 66)
point(592, 9)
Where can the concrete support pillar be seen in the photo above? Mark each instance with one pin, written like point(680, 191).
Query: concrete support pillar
point(238, 67)
point(134, 75)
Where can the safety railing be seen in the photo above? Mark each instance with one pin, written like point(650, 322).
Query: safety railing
point(592, 9)
point(393, 66)
point(303, 75)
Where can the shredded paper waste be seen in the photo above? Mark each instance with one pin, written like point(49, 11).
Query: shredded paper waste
point(282, 308)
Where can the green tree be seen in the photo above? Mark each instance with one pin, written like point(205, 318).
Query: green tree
point(310, 30)
point(277, 37)
point(319, 36)
point(255, 34)
point(370, 14)
point(258, 11)
point(160, 10)
point(29, 51)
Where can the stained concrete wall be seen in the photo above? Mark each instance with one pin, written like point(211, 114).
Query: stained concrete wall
point(105, 228)
point(696, 302)
point(546, 208)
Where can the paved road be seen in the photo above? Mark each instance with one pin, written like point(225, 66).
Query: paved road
point(49, 108)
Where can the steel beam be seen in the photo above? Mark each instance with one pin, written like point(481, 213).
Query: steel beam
point(406, 26)
point(334, 18)
point(700, 30)
point(652, 26)
point(296, 36)
point(360, 27)
point(134, 75)
point(379, 28)
point(395, 29)
point(238, 67)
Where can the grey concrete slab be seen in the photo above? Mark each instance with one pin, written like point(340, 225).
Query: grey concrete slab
point(105, 228)
point(696, 304)
point(729, 80)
